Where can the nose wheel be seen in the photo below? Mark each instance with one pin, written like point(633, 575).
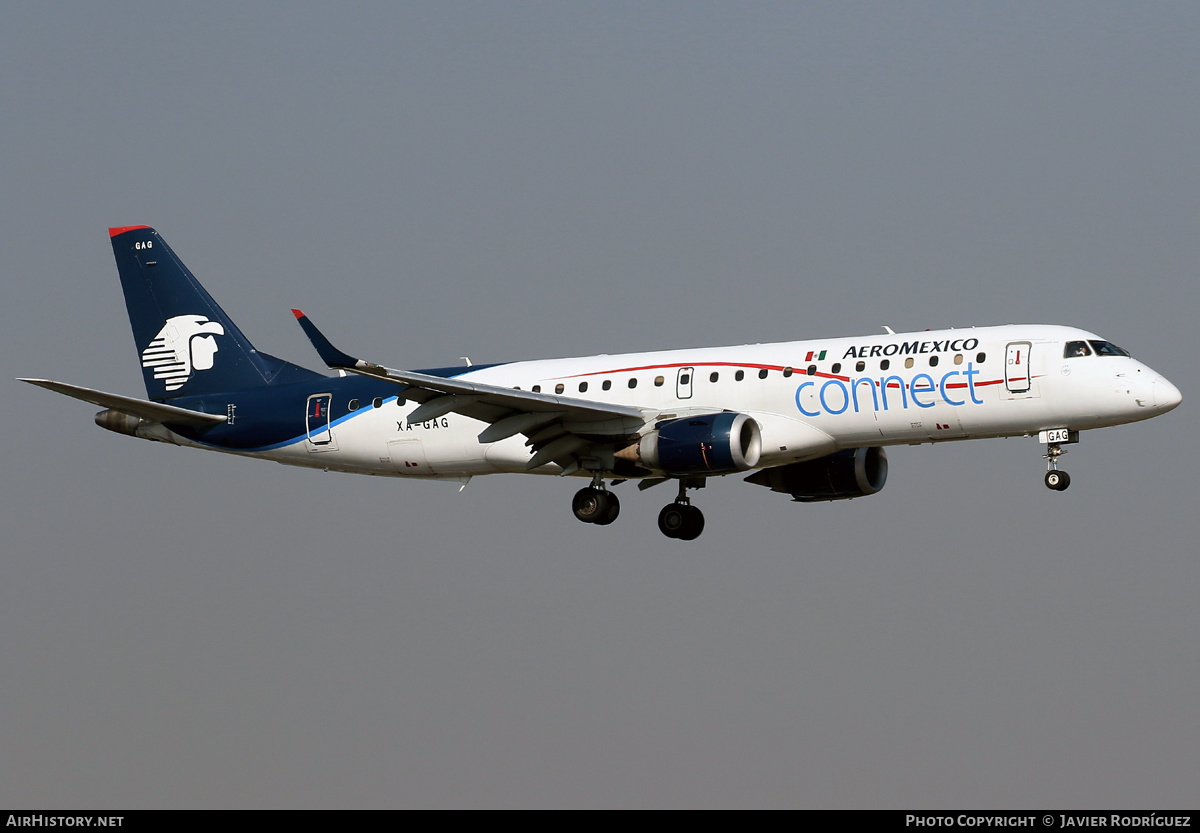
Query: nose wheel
point(1057, 480)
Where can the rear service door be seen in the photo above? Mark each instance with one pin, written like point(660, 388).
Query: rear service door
point(320, 438)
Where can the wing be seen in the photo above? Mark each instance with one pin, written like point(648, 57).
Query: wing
point(151, 411)
point(559, 429)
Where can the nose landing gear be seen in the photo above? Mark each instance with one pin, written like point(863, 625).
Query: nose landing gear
point(1054, 440)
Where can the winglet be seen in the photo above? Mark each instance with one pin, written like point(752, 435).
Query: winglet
point(329, 354)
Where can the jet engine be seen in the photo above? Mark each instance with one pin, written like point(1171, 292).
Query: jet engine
point(842, 475)
point(699, 445)
point(122, 423)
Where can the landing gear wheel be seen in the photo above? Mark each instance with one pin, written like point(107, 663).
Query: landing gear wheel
point(681, 520)
point(693, 526)
point(1057, 480)
point(610, 514)
point(671, 519)
point(593, 505)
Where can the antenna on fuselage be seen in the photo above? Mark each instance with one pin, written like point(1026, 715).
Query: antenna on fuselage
point(889, 330)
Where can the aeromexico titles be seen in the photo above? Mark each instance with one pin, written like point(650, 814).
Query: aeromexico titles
point(805, 418)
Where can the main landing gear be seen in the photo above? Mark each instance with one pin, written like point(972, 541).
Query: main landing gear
point(1055, 479)
point(680, 519)
point(597, 505)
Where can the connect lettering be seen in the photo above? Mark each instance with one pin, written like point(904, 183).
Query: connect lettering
point(836, 396)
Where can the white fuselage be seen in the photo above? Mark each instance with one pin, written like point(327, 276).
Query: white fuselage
point(810, 398)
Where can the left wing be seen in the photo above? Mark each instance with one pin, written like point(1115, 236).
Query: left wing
point(560, 429)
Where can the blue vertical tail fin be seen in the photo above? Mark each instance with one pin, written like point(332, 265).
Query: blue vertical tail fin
point(186, 344)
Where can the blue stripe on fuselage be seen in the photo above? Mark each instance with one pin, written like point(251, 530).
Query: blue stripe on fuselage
point(273, 417)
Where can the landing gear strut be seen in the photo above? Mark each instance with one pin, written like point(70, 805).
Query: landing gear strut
point(1055, 479)
point(680, 519)
point(595, 504)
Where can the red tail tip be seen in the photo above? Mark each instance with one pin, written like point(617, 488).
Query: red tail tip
point(298, 314)
point(113, 232)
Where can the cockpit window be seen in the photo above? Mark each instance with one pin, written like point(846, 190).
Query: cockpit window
point(1107, 348)
point(1076, 348)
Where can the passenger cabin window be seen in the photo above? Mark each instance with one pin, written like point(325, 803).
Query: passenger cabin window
point(633, 383)
point(908, 362)
point(885, 364)
point(712, 377)
point(787, 371)
point(377, 402)
point(353, 405)
point(837, 368)
point(537, 388)
point(958, 358)
point(739, 376)
point(762, 374)
point(933, 361)
point(607, 384)
point(859, 367)
point(981, 357)
point(559, 388)
point(583, 387)
point(1075, 349)
point(658, 381)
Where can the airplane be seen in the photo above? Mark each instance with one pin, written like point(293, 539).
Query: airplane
point(809, 419)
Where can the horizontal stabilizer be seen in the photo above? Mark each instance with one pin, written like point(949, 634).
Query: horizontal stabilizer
point(150, 411)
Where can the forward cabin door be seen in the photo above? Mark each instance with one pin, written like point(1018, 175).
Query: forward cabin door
point(1017, 376)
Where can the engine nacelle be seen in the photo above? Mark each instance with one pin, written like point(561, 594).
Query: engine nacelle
point(122, 423)
point(842, 475)
point(700, 445)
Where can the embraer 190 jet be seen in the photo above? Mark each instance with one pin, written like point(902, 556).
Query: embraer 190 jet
point(809, 419)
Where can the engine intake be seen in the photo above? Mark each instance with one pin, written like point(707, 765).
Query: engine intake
point(840, 476)
point(700, 445)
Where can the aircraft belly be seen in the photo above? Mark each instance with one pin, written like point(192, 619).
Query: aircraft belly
point(509, 455)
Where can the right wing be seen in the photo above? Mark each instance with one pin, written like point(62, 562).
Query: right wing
point(559, 429)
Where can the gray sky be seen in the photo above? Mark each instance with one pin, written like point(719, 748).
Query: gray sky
point(524, 180)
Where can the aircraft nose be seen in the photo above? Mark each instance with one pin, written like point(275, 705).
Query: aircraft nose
point(1166, 395)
